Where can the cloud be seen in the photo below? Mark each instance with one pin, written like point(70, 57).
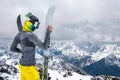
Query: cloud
point(73, 19)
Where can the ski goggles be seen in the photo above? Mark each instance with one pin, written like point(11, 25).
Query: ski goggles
point(34, 21)
point(32, 26)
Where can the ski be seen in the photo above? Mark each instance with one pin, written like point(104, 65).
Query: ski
point(49, 19)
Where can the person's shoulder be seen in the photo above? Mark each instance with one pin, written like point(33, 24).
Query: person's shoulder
point(31, 35)
point(17, 35)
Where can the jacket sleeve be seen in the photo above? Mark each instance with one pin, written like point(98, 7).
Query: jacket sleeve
point(13, 46)
point(44, 45)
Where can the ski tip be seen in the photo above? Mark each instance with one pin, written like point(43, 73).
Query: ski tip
point(53, 7)
point(19, 23)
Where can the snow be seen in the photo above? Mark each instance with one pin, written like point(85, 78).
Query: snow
point(109, 50)
point(10, 77)
point(68, 48)
point(1, 51)
point(53, 75)
point(75, 76)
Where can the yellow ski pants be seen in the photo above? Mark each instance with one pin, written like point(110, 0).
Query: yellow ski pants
point(28, 72)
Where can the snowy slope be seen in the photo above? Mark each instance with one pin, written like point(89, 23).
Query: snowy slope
point(54, 75)
point(75, 76)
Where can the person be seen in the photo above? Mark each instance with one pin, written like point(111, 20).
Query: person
point(28, 41)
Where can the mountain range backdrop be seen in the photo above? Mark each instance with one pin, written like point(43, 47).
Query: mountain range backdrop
point(94, 58)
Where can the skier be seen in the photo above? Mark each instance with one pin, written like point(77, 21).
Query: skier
point(28, 41)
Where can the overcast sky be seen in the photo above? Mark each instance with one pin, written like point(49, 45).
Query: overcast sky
point(73, 19)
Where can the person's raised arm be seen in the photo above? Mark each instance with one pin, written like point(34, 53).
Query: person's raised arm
point(44, 45)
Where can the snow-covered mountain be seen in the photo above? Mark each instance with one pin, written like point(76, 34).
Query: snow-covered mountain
point(106, 66)
point(70, 55)
point(85, 54)
point(57, 67)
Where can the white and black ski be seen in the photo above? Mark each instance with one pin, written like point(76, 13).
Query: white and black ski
point(49, 19)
